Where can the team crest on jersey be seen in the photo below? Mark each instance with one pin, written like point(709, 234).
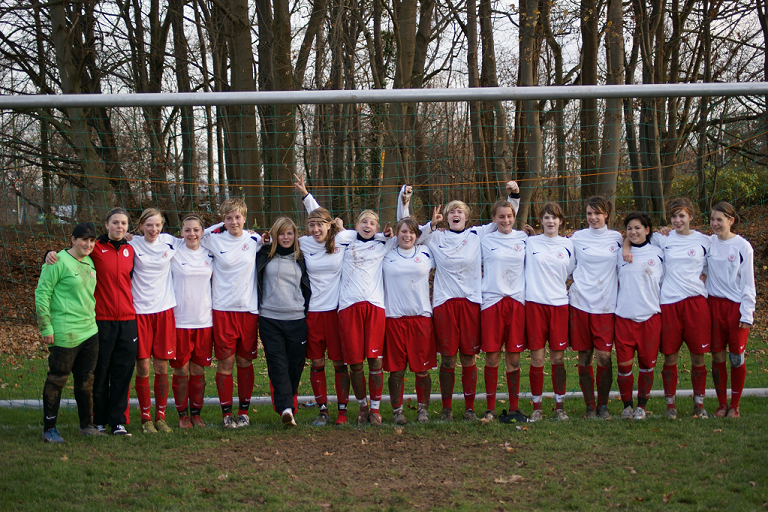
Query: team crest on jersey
point(93, 274)
point(126, 253)
point(165, 254)
point(245, 247)
point(651, 263)
point(417, 259)
point(517, 248)
point(463, 242)
point(371, 248)
point(691, 252)
point(560, 255)
point(612, 249)
point(731, 258)
point(336, 250)
point(207, 264)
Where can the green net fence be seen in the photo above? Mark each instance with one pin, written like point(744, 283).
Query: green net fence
point(60, 166)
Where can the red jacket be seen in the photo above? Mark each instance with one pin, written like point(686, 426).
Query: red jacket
point(114, 266)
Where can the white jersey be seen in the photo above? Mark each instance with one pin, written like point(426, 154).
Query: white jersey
point(731, 274)
point(192, 287)
point(684, 262)
point(594, 279)
point(406, 282)
point(361, 274)
point(152, 284)
point(548, 263)
point(503, 267)
point(640, 283)
point(234, 271)
point(324, 270)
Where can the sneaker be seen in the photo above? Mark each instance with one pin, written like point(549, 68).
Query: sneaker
point(536, 415)
point(700, 413)
point(590, 413)
point(733, 412)
point(627, 413)
point(341, 419)
point(53, 436)
point(120, 430)
point(603, 413)
point(91, 430)
point(671, 413)
point(163, 427)
point(489, 415)
point(469, 415)
point(322, 419)
point(287, 418)
point(721, 411)
point(399, 417)
point(185, 422)
point(363, 415)
point(197, 421)
point(560, 415)
point(447, 414)
point(374, 418)
point(639, 414)
point(422, 415)
point(148, 427)
point(101, 428)
point(243, 420)
point(228, 422)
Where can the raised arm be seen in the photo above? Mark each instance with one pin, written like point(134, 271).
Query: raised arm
point(309, 201)
point(403, 202)
point(513, 195)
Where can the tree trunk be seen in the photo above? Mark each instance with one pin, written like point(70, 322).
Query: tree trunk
point(588, 111)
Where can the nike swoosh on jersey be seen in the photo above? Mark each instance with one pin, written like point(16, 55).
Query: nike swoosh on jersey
point(222, 252)
point(312, 253)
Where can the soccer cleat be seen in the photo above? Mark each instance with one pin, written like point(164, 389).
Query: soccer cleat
point(287, 418)
point(515, 416)
point(536, 415)
point(91, 430)
point(721, 411)
point(185, 422)
point(733, 412)
point(322, 419)
point(363, 415)
point(422, 415)
point(447, 414)
point(700, 413)
point(163, 427)
point(53, 436)
point(489, 415)
point(148, 427)
point(228, 422)
point(603, 413)
point(399, 417)
point(627, 413)
point(671, 413)
point(590, 413)
point(341, 419)
point(374, 418)
point(197, 421)
point(120, 430)
point(242, 421)
point(469, 415)
point(560, 415)
point(639, 414)
point(101, 428)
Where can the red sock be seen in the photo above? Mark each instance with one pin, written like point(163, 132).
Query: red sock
point(738, 376)
point(196, 393)
point(145, 398)
point(319, 386)
point(720, 378)
point(536, 375)
point(626, 381)
point(341, 382)
point(669, 379)
point(376, 385)
point(513, 386)
point(491, 375)
point(469, 385)
point(447, 383)
point(587, 384)
point(161, 395)
point(423, 389)
point(224, 385)
point(558, 384)
point(644, 385)
point(699, 383)
point(245, 379)
point(181, 392)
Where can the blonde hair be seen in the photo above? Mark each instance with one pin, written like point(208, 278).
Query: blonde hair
point(503, 203)
point(461, 205)
point(146, 214)
point(233, 205)
point(194, 217)
point(365, 214)
point(280, 226)
point(324, 215)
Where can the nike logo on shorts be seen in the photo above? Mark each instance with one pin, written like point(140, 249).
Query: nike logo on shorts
point(170, 352)
point(374, 351)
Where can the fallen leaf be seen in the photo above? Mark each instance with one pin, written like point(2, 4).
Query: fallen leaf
point(508, 480)
point(753, 484)
point(224, 440)
point(632, 470)
point(222, 477)
point(64, 458)
point(328, 454)
point(398, 430)
point(363, 441)
point(718, 431)
point(667, 497)
point(257, 459)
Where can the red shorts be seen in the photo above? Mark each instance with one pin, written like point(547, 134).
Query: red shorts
point(235, 332)
point(457, 327)
point(193, 345)
point(726, 332)
point(591, 330)
point(643, 337)
point(362, 332)
point(687, 320)
point(323, 335)
point(157, 335)
point(546, 323)
point(410, 339)
point(503, 326)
